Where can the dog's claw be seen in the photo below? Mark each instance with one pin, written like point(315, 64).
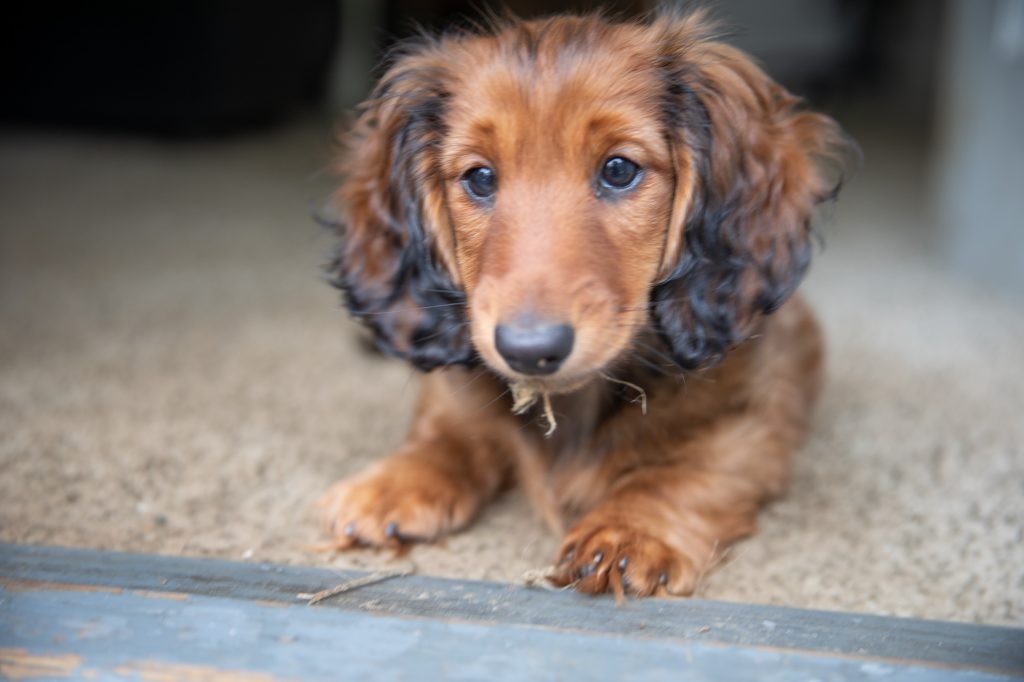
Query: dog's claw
point(391, 530)
point(627, 586)
point(350, 529)
point(620, 559)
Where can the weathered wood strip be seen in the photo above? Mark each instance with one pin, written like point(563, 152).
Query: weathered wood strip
point(133, 635)
point(772, 631)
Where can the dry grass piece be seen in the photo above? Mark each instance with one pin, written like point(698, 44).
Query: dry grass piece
point(539, 578)
point(642, 394)
point(355, 584)
point(524, 396)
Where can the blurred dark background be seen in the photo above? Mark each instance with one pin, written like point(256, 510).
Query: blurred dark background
point(208, 67)
point(946, 74)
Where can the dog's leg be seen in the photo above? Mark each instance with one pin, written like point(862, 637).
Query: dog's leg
point(661, 527)
point(669, 510)
point(456, 459)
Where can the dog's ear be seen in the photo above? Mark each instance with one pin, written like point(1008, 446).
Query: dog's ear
point(751, 168)
point(391, 260)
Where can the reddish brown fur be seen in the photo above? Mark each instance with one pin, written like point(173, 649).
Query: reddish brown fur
point(649, 501)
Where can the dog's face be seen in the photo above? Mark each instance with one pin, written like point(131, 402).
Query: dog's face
point(538, 196)
point(559, 192)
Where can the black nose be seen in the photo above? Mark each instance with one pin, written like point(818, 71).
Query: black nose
point(534, 348)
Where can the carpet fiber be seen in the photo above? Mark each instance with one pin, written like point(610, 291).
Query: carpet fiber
point(176, 378)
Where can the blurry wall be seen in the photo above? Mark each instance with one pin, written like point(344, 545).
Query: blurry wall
point(942, 79)
point(978, 185)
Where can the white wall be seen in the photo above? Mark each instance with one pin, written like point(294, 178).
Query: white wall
point(978, 188)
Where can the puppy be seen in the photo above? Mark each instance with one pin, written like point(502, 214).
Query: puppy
point(588, 234)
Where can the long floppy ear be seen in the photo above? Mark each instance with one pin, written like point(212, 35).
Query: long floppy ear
point(393, 225)
point(751, 167)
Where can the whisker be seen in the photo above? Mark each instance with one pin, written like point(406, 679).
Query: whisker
point(654, 351)
point(496, 399)
point(446, 292)
point(442, 332)
point(711, 337)
point(413, 374)
point(656, 368)
point(472, 379)
point(407, 309)
point(634, 308)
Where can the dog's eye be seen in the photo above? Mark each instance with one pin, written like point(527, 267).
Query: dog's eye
point(480, 182)
point(619, 173)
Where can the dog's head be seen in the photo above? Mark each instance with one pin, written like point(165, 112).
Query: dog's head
point(536, 196)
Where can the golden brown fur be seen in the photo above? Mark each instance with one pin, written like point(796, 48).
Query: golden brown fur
point(678, 284)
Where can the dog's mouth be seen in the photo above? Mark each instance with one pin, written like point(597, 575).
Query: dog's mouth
point(555, 358)
point(531, 393)
point(554, 385)
point(552, 353)
point(577, 371)
point(528, 393)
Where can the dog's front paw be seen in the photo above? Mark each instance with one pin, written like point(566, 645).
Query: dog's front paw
point(598, 556)
point(398, 500)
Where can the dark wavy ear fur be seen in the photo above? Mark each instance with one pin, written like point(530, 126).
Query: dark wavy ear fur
point(760, 166)
point(385, 263)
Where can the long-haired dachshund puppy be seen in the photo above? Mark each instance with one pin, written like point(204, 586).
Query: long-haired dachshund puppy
point(588, 233)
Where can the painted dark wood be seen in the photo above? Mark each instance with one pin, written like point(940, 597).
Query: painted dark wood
point(467, 629)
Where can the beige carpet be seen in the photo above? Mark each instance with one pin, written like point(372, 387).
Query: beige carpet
point(175, 378)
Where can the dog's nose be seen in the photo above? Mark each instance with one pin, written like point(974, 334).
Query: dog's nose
point(534, 348)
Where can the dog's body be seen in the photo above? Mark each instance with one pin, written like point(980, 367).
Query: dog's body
point(598, 214)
